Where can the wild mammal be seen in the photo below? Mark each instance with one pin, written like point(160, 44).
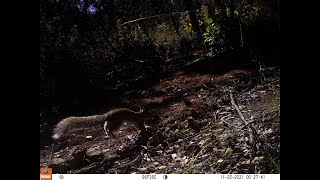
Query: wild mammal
point(111, 122)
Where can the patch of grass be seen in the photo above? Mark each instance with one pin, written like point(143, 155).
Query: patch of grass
point(274, 163)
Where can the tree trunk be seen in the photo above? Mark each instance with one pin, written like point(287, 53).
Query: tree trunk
point(175, 23)
point(188, 4)
point(211, 9)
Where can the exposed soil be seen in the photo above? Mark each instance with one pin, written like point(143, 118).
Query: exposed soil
point(199, 130)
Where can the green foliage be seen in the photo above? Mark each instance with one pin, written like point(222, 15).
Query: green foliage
point(185, 133)
point(274, 163)
point(229, 26)
point(213, 35)
point(185, 23)
point(75, 42)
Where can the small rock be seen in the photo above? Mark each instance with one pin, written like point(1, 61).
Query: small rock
point(142, 169)
point(258, 158)
point(105, 150)
point(228, 151)
point(220, 161)
point(56, 161)
point(89, 137)
point(174, 155)
point(184, 162)
point(162, 167)
point(94, 153)
point(58, 165)
point(246, 162)
point(228, 108)
point(79, 153)
point(268, 132)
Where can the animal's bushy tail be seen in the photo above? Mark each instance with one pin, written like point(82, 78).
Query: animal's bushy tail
point(71, 123)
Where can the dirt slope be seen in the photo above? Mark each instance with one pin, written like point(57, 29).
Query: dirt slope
point(199, 131)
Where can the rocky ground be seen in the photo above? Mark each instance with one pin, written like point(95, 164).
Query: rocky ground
point(228, 123)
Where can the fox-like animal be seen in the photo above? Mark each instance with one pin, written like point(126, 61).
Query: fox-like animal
point(111, 122)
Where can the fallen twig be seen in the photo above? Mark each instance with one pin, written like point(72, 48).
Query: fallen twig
point(222, 119)
point(248, 124)
point(242, 117)
point(238, 110)
point(229, 123)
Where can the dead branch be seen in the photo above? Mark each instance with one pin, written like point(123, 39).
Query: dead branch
point(248, 124)
point(158, 15)
point(222, 119)
point(242, 117)
point(238, 110)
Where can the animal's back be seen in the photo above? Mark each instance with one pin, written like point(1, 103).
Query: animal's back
point(117, 117)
